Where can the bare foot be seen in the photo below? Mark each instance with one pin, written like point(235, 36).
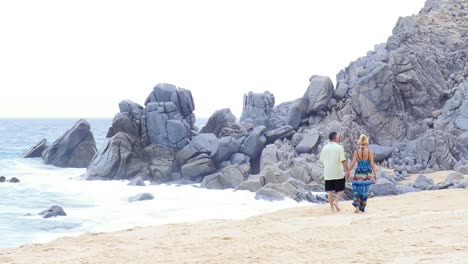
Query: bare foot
point(336, 206)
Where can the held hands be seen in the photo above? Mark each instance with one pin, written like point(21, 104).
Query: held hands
point(347, 174)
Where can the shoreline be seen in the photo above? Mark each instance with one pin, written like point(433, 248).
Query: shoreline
point(400, 229)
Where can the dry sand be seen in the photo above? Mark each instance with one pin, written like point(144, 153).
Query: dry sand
point(424, 227)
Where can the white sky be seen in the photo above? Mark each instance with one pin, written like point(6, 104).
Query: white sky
point(81, 58)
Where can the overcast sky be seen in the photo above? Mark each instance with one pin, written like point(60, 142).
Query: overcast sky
point(81, 58)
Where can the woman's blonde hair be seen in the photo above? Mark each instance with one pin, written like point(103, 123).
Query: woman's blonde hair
point(363, 140)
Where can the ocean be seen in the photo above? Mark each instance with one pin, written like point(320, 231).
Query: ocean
point(95, 206)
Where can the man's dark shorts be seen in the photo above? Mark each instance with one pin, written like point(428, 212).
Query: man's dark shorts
point(335, 185)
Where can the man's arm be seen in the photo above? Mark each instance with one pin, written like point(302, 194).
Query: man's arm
point(343, 159)
point(345, 165)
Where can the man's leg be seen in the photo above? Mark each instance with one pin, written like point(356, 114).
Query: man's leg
point(330, 200)
point(338, 199)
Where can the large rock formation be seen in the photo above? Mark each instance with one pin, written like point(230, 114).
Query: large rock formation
point(36, 150)
point(403, 81)
point(409, 95)
point(74, 149)
point(257, 109)
point(223, 123)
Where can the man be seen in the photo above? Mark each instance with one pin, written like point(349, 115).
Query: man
point(335, 164)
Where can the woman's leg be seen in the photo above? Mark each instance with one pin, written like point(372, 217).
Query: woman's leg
point(356, 195)
point(364, 195)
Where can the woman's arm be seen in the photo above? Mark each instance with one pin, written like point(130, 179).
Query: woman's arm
point(350, 167)
point(371, 154)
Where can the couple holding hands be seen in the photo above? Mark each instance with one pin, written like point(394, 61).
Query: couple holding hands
point(334, 161)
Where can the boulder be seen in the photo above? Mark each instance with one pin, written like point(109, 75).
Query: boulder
point(198, 166)
point(308, 142)
point(74, 149)
point(253, 145)
point(227, 146)
point(454, 176)
point(203, 143)
point(406, 189)
point(116, 160)
point(460, 183)
point(380, 152)
point(318, 94)
point(295, 113)
point(223, 123)
point(36, 150)
point(141, 197)
point(269, 194)
point(53, 211)
point(382, 189)
point(14, 180)
point(423, 183)
point(257, 109)
point(181, 98)
point(250, 185)
point(279, 133)
point(230, 177)
point(2, 179)
point(166, 126)
point(137, 181)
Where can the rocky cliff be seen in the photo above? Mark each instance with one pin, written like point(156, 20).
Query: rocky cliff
point(409, 94)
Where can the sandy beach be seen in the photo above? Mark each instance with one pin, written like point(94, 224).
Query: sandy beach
point(424, 227)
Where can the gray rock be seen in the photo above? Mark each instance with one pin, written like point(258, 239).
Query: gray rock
point(239, 159)
point(180, 97)
point(279, 133)
point(227, 146)
point(137, 181)
point(74, 149)
point(454, 176)
point(380, 152)
point(341, 90)
point(14, 180)
point(230, 177)
point(272, 175)
point(300, 172)
point(198, 166)
point(382, 189)
point(292, 189)
point(123, 122)
point(406, 189)
point(275, 155)
point(463, 139)
point(2, 179)
point(53, 211)
point(141, 197)
point(250, 185)
point(257, 109)
point(116, 160)
point(165, 125)
point(296, 139)
point(460, 183)
point(203, 143)
point(296, 113)
point(308, 142)
point(423, 183)
point(463, 169)
point(36, 150)
point(318, 94)
point(254, 143)
point(223, 123)
point(269, 195)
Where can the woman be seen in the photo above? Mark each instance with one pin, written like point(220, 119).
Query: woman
point(364, 174)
